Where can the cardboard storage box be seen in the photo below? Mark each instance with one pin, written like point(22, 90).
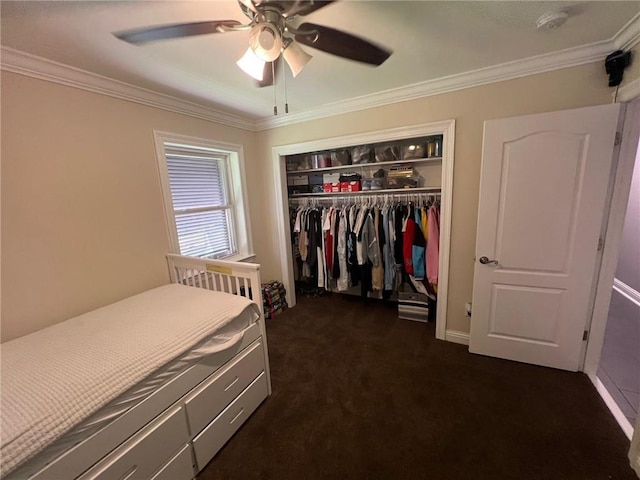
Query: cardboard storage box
point(299, 179)
point(331, 178)
point(332, 187)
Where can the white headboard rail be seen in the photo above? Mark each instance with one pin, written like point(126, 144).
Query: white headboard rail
point(237, 278)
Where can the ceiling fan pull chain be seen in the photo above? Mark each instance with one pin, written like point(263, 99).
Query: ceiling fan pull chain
point(275, 101)
point(286, 99)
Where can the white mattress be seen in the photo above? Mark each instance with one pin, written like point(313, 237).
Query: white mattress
point(58, 378)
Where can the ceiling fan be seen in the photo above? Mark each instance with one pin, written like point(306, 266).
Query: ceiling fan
point(272, 35)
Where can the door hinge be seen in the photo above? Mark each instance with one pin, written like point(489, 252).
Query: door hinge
point(600, 244)
point(618, 139)
point(585, 335)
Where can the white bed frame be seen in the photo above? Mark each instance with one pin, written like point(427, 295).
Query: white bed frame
point(176, 431)
point(236, 278)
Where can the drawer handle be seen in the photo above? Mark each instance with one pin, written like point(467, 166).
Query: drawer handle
point(129, 472)
point(237, 415)
point(233, 382)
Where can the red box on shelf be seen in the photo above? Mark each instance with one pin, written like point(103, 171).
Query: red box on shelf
point(332, 187)
point(355, 186)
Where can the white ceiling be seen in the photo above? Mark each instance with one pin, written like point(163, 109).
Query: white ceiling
point(430, 40)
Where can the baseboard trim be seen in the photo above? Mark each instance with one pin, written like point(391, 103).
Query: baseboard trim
point(457, 337)
point(613, 407)
point(625, 290)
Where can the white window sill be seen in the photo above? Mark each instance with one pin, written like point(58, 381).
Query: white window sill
point(240, 257)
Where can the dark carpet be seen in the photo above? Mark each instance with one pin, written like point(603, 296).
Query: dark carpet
point(360, 394)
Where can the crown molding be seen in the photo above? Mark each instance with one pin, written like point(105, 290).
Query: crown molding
point(507, 71)
point(629, 35)
point(27, 64)
point(23, 63)
point(626, 37)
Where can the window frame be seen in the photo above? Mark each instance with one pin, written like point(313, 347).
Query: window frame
point(233, 161)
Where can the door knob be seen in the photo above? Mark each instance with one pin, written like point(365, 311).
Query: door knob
point(486, 261)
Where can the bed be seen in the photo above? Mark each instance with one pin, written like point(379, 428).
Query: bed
point(150, 387)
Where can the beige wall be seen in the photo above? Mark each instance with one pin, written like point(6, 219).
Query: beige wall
point(82, 212)
point(563, 89)
point(82, 215)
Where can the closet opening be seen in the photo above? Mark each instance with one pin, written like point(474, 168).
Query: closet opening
point(370, 215)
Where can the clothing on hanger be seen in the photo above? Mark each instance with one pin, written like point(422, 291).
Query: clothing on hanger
point(361, 242)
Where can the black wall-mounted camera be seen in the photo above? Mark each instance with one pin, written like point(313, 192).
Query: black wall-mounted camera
point(614, 64)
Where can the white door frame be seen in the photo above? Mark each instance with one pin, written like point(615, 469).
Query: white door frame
point(615, 223)
point(446, 128)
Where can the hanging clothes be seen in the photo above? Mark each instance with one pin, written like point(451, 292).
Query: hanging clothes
point(352, 239)
point(433, 245)
point(418, 247)
point(400, 214)
point(388, 247)
point(341, 246)
point(335, 224)
point(341, 249)
point(408, 232)
point(377, 271)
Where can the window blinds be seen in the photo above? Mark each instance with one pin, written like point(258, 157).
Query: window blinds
point(201, 203)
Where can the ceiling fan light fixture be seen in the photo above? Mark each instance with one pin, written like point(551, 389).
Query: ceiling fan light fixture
point(251, 65)
point(296, 58)
point(265, 41)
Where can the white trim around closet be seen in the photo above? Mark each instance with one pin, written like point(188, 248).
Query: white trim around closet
point(446, 128)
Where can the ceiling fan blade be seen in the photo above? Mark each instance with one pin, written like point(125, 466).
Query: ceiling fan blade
point(341, 44)
point(267, 76)
point(177, 30)
point(306, 7)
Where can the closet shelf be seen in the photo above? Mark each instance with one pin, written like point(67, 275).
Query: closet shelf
point(385, 191)
point(367, 165)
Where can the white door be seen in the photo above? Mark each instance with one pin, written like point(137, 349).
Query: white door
point(543, 192)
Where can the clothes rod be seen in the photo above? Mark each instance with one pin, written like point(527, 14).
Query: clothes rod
point(365, 198)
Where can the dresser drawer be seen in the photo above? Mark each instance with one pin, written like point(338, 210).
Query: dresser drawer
point(212, 438)
point(179, 467)
point(215, 393)
point(145, 452)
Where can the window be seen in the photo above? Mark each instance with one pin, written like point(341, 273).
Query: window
point(204, 200)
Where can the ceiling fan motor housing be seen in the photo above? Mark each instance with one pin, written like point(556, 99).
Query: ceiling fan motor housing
point(265, 38)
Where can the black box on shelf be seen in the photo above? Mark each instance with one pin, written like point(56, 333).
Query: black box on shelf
point(315, 179)
point(296, 189)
